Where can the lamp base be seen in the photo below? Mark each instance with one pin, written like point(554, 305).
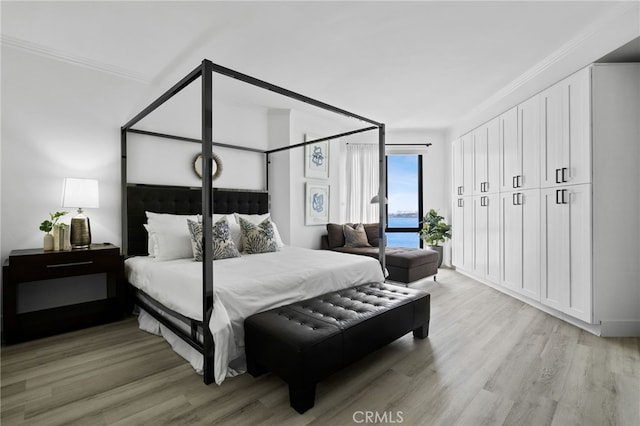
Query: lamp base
point(80, 235)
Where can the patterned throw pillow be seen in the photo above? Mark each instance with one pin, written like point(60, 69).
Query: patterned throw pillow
point(223, 246)
point(355, 237)
point(258, 238)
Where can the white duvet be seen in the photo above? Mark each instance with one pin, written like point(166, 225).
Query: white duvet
point(246, 285)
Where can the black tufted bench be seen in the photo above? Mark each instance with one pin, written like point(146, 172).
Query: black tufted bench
point(306, 341)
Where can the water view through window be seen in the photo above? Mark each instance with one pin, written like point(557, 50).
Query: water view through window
point(404, 189)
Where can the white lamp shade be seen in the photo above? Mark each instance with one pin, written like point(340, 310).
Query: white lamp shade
point(81, 193)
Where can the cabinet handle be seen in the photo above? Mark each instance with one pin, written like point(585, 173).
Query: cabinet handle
point(515, 181)
point(558, 178)
point(460, 202)
point(461, 189)
point(564, 200)
point(558, 196)
point(564, 174)
point(62, 265)
point(486, 187)
point(513, 199)
point(519, 198)
point(519, 181)
point(486, 201)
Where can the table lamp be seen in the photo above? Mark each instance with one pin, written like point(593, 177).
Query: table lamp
point(80, 193)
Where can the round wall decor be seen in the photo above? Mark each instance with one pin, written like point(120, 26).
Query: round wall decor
point(216, 169)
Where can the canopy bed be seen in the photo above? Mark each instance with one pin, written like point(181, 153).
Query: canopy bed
point(214, 319)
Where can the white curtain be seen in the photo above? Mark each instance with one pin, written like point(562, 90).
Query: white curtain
point(361, 183)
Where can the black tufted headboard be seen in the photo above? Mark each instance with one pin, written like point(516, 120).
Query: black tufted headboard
point(182, 200)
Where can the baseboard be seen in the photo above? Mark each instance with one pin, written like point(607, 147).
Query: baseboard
point(620, 328)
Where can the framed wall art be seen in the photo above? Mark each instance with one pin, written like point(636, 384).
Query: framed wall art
point(316, 204)
point(316, 157)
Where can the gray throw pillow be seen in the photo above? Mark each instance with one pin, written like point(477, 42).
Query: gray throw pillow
point(356, 236)
point(223, 245)
point(335, 235)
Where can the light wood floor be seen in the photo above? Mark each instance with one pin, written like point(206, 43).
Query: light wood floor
point(489, 360)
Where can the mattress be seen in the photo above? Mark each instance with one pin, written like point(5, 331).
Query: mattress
point(246, 285)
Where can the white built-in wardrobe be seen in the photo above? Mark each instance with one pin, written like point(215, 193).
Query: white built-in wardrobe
point(546, 200)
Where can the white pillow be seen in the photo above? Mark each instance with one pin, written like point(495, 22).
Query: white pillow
point(172, 245)
point(168, 235)
point(151, 242)
point(257, 219)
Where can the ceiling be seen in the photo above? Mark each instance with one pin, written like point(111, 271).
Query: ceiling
point(408, 64)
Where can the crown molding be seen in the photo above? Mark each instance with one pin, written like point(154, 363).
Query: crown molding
point(59, 55)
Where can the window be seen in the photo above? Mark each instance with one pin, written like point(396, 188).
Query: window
point(404, 194)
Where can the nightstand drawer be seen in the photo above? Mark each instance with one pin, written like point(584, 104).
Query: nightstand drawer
point(62, 264)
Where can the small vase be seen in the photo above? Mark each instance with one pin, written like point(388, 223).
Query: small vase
point(48, 242)
point(60, 236)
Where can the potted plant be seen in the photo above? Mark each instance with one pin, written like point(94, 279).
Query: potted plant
point(434, 231)
point(47, 225)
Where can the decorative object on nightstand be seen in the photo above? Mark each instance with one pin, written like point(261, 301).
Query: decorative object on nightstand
point(80, 193)
point(61, 237)
point(435, 230)
point(46, 226)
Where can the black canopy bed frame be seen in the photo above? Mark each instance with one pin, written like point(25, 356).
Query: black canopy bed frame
point(207, 200)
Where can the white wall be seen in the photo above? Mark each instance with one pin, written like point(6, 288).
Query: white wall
point(279, 170)
point(302, 124)
point(287, 182)
point(59, 120)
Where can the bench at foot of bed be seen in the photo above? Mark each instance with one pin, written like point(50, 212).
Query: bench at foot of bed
point(306, 341)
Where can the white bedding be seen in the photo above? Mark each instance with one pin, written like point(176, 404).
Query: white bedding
point(246, 285)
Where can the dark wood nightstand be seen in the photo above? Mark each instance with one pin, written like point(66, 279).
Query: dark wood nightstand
point(33, 265)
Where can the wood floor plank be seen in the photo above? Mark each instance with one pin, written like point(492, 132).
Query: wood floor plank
point(489, 360)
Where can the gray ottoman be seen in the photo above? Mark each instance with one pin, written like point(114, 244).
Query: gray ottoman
point(409, 264)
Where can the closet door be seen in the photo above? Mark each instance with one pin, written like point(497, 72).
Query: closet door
point(467, 164)
point(566, 250)
point(493, 157)
point(480, 221)
point(458, 167)
point(457, 233)
point(529, 135)
point(492, 207)
point(530, 204)
point(469, 233)
point(480, 159)
point(520, 242)
point(554, 150)
point(511, 240)
point(578, 152)
point(580, 241)
point(555, 248)
point(510, 151)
